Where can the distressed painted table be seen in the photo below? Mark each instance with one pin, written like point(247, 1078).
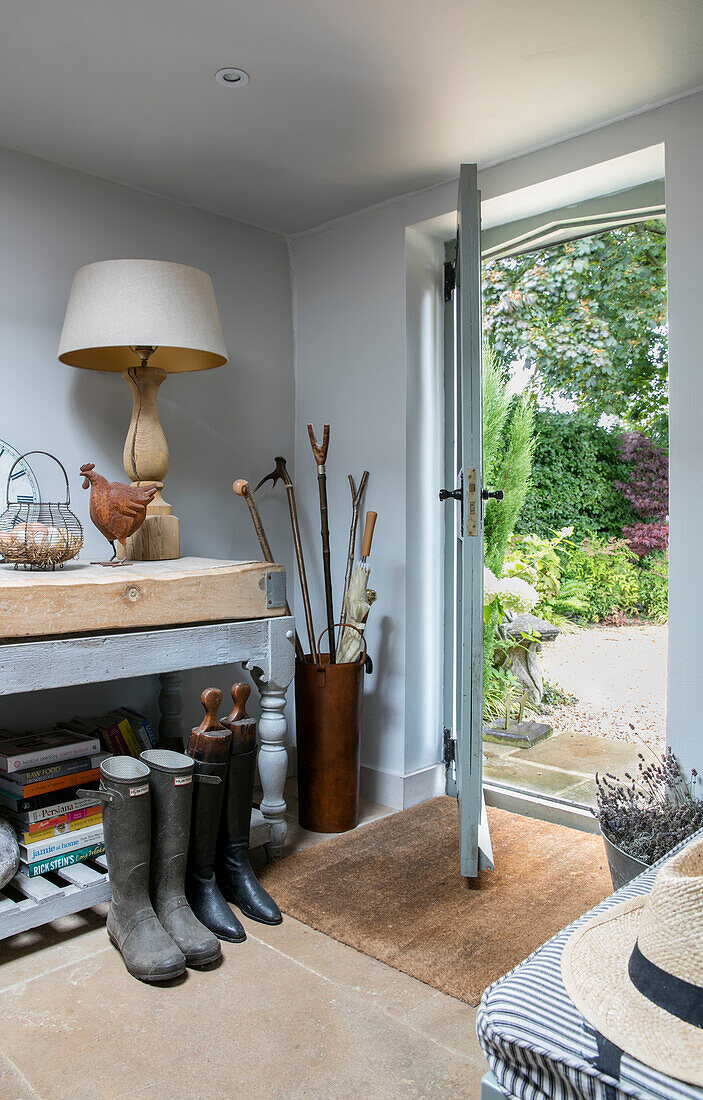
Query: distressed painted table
point(88, 624)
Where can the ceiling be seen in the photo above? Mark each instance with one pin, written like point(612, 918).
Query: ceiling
point(349, 103)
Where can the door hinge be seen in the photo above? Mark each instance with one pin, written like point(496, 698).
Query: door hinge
point(449, 279)
point(449, 748)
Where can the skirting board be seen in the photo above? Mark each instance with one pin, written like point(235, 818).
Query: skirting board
point(401, 791)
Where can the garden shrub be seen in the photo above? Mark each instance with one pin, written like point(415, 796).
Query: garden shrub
point(539, 562)
point(575, 469)
point(595, 580)
point(654, 587)
point(646, 489)
point(606, 568)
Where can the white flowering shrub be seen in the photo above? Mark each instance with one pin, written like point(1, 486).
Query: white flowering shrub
point(491, 586)
point(517, 595)
point(513, 593)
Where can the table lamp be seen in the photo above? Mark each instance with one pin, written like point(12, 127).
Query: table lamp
point(146, 319)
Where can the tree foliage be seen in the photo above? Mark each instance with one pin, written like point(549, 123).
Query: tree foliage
point(590, 316)
point(508, 449)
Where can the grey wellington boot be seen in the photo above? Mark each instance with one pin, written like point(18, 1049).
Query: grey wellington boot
point(201, 885)
point(148, 951)
point(171, 784)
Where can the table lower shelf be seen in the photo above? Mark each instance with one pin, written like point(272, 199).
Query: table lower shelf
point(81, 886)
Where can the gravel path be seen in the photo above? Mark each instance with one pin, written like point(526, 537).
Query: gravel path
point(618, 675)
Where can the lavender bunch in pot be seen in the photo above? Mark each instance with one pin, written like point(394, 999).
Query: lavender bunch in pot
point(642, 817)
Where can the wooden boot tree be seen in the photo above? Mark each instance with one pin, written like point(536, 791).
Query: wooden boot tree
point(243, 728)
point(210, 741)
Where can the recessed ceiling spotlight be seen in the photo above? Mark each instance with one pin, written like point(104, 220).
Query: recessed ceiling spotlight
point(232, 78)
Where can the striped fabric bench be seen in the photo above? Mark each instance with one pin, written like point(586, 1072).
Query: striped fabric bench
point(539, 1046)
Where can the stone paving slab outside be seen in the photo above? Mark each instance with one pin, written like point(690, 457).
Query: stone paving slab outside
point(563, 766)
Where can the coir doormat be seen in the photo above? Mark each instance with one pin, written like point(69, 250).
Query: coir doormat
point(392, 890)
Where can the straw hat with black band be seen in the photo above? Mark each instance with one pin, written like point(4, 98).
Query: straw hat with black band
point(636, 971)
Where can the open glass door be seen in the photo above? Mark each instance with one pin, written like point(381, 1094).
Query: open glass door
point(464, 530)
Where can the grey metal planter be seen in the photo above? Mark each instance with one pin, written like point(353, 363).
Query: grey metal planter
point(623, 867)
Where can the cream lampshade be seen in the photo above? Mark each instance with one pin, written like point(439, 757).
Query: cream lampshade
point(144, 318)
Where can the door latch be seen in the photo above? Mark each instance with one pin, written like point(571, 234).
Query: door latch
point(471, 502)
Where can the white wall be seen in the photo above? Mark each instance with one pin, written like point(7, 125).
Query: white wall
point(424, 311)
point(220, 424)
point(350, 360)
point(351, 367)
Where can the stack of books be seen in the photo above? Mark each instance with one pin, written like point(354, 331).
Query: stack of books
point(122, 732)
point(40, 775)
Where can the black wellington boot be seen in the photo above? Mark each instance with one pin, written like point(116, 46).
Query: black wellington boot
point(202, 890)
point(209, 746)
point(235, 873)
point(147, 949)
point(171, 785)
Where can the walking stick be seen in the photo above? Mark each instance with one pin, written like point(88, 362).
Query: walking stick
point(241, 488)
point(280, 473)
point(356, 494)
point(320, 453)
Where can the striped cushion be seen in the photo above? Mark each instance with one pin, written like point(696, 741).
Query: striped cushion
point(537, 1043)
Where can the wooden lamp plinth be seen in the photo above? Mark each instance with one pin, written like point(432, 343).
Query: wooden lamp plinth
point(158, 539)
point(146, 462)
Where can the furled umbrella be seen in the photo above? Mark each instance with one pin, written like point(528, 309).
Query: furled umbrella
point(357, 604)
point(358, 600)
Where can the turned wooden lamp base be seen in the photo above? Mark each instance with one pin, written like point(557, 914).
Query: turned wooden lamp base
point(146, 463)
point(158, 539)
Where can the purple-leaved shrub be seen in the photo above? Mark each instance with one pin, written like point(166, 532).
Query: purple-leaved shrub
point(647, 491)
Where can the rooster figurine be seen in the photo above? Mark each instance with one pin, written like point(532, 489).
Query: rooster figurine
point(116, 510)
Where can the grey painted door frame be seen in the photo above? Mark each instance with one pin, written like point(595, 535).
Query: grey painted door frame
point(464, 532)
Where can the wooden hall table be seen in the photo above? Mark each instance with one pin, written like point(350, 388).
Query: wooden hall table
point(88, 624)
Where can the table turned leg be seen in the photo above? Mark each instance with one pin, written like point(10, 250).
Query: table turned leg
point(273, 763)
point(273, 758)
point(171, 734)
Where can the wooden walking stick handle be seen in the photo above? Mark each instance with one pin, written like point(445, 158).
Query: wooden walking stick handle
point(241, 489)
point(320, 451)
point(371, 518)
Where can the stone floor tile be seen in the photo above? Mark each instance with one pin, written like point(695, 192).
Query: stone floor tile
point(382, 985)
point(257, 1025)
point(40, 950)
point(450, 1022)
point(13, 1084)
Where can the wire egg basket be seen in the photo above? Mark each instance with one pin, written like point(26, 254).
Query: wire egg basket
point(39, 534)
